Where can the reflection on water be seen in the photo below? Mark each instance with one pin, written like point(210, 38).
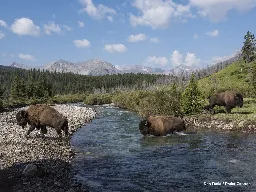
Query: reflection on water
point(112, 155)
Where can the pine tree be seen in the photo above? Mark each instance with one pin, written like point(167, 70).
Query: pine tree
point(253, 79)
point(15, 89)
point(249, 47)
point(191, 97)
point(1, 97)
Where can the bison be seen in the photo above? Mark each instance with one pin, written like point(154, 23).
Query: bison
point(161, 125)
point(228, 99)
point(41, 115)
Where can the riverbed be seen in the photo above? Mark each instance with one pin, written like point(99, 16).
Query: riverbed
point(112, 155)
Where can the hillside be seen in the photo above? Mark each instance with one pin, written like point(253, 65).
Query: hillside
point(234, 76)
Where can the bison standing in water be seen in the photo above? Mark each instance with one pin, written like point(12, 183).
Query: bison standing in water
point(39, 116)
point(228, 99)
point(161, 125)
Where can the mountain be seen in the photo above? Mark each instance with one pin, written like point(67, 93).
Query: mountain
point(19, 65)
point(97, 67)
point(140, 69)
point(91, 67)
point(181, 69)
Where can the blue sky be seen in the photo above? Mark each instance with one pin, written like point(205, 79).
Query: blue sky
point(156, 33)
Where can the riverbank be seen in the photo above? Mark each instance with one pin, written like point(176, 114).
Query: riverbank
point(216, 123)
point(36, 164)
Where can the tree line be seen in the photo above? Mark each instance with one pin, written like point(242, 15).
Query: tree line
point(20, 85)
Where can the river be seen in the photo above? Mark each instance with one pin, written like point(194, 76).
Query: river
point(112, 155)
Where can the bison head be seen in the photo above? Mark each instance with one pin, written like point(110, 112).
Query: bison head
point(239, 100)
point(21, 118)
point(144, 127)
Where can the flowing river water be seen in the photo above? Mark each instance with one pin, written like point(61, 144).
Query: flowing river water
point(112, 155)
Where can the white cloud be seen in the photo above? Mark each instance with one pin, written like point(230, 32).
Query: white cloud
point(98, 12)
point(213, 33)
point(157, 60)
point(111, 48)
point(191, 60)
point(52, 27)
point(154, 40)
point(1, 35)
point(82, 43)
point(80, 24)
point(67, 28)
point(158, 13)
point(26, 57)
point(3, 23)
point(25, 26)
point(176, 58)
point(216, 10)
point(138, 37)
point(110, 18)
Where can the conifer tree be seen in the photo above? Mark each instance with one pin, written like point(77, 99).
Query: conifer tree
point(249, 47)
point(191, 97)
point(15, 89)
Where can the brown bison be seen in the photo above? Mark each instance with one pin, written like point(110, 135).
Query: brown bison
point(228, 99)
point(161, 125)
point(39, 116)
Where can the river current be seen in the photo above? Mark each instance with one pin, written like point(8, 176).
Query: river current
point(112, 155)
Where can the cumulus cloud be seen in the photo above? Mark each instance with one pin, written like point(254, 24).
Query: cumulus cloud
point(176, 58)
point(154, 40)
point(216, 10)
point(1, 35)
point(82, 43)
point(190, 59)
point(138, 37)
point(157, 60)
point(80, 24)
point(158, 13)
point(3, 23)
point(51, 27)
point(213, 33)
point(26, 57)
point(98, 12)
point(111, 48)
point(25, 26)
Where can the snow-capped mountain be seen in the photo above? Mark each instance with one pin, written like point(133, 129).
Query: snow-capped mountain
point(20, 65)
point(140, 69)
point(97, 67)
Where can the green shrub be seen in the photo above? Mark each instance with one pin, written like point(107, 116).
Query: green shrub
point(192, 100)
point(98, 99)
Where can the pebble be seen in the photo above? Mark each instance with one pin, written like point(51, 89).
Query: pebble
point(16, 148)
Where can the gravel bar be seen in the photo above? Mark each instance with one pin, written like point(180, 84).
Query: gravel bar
point(34, 163)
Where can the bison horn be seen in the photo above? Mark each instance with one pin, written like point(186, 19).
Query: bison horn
point(146, 123)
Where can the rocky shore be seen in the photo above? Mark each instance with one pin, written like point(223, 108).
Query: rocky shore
point(210, 122)
point(39, 164)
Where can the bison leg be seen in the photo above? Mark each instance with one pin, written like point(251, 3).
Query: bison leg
point(43, 130)
point(31, 128)
point(228, 109)
point(59, 132)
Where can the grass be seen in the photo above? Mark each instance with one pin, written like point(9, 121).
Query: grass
point(247, 112)
point(234, 76)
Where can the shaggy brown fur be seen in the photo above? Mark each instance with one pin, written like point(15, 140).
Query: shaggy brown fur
point(161, 125)
point(228, 99)
point(41, 115)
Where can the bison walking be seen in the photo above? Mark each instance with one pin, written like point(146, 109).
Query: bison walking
point(161, 125)
point(228, 99)
point(39, 116)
